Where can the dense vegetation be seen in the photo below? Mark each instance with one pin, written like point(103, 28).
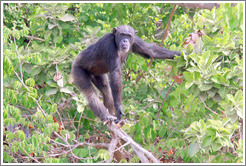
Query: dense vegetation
point(189, 109)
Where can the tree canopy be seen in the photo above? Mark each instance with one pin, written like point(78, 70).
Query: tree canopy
point(185, 110)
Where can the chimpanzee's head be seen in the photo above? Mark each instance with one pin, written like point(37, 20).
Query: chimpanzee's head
point(124, 37)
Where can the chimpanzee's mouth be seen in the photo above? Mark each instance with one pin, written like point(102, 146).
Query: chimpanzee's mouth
point(124, 47)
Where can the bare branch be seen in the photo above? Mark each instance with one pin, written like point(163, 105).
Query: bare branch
point(18, 58)
point(206, 106)
point(209, 6)
point(29, 155)
point(112, 146)
point(36, 38)
point(165, 99)
point(168, 25)
point(199, 5)
point(136, 147)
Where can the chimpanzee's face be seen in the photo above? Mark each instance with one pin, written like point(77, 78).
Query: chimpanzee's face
point(124, 41)
point(124, 37)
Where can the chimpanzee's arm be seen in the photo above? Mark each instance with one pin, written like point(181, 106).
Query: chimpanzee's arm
point(152, 51)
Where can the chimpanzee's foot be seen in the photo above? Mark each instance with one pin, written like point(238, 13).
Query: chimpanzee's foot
point(119, 113)
point(109, 118)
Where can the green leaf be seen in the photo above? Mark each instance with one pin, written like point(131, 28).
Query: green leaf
point(51, 91)
point(189, 49)
point(7, 66)
point(207, 39)
point(239, 96)
point(231, 98)
point(188, 85)
point(171, 62)
point(87, 136)
point(7, 158)
point(193, 149)
point(162, 131)
point(10, 136)
point(51, 25)
point(59, 39)
point(206, 141)
point(17, 85)
point(80, 108)
point(138, 128)
point(134, 159)
point(67, 17)
point(188, 76)
point(195, 58)
point(20, 134)
point(67, 90)
point(30, 82)
point(83, 153)
point(205, 87)
point(153, 134)
point(193, 69)
point(144, 120)
point(216, 79)
point(216, 146)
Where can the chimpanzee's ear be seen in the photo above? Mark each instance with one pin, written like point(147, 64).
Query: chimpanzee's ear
point(136, 32)
point(115, 30)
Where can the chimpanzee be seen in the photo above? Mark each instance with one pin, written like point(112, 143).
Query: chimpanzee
point(107, 55)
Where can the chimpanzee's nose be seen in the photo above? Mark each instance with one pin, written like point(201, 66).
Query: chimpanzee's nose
point(124, 40)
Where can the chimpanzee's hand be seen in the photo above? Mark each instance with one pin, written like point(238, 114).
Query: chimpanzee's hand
point(119, 112)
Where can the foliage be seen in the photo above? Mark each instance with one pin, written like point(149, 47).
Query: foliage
point(201, 119)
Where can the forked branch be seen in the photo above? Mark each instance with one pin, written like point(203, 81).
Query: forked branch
point(142, 153)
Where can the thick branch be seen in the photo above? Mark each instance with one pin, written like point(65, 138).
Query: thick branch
point(141, 152)
point(209, 6)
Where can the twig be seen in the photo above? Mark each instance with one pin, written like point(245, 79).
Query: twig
point(62, 138)
point(151, 61)
point(18, 58)
point(168, 25)
point(28, 44)
point(187, 12)
point(36, 38)
point(165, 99)
point(176, 129)
point(152, 75)
point(65, 103)
point(65, 152)
point(206, 106)
point(30, 111)
point(122, 146)
point(29, 155)
point(40, 108)
point(79, 124)
point(153, 100)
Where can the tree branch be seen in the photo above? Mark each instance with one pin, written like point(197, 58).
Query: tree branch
point(206, 105)
point(36, 38)
point(165, 99)
point(168, 25)
point(141, 152)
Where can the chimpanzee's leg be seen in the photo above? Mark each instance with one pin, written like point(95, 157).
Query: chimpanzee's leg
point(102, 83)
point(82, 80)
